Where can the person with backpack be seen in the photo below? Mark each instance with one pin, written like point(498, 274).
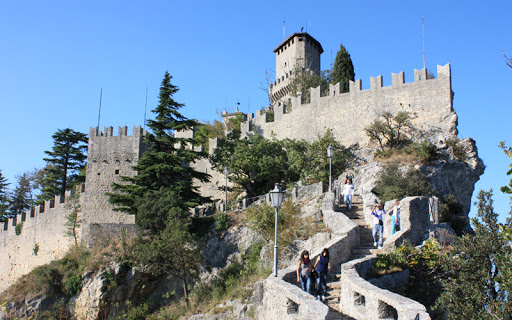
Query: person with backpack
point(322, 266)
point(378, 225)
point(304, 271)
point(395, 218)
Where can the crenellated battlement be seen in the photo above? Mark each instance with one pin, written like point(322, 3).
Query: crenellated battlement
point(347, 114)
point(49, 208)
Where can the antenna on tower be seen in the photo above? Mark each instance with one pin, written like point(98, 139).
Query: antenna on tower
point(99, 112)
point(423, 31)
point(145, 107)
point(284, 27)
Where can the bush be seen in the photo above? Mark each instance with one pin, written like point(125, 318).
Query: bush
point(450, 211)
point(18, 228)
point(425, 150)
point(392, 183)
point(458, 150)
point(221, 222)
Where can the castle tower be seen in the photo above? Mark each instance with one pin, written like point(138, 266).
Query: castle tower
point(109, 158)
point(300, 51)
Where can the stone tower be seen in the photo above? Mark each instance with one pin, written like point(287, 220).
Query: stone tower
point(300, 51)
point(109, 158)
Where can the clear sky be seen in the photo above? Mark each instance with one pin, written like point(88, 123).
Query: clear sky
point(55, 56)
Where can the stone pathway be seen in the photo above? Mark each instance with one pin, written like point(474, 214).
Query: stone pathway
point(365, 248)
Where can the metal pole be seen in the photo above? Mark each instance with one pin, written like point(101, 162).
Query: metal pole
point(226, 205)
point(330, 185)
point(275, 247)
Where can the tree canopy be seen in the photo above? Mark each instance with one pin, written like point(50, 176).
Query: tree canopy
point(4, 197)
point(166, 163)
point(343, 69)
point(65, 163)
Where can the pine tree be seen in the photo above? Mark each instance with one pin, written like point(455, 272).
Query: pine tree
point(4, 197)
point(343, 69)
point(166, 163)
point(67, 159)
point(21, 199)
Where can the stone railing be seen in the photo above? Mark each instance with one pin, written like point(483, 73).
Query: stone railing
point(282, 298)
point(362, 300)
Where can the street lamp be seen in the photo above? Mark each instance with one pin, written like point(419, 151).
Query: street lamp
point(276, 197)
point(226, 204)
point(330, 152)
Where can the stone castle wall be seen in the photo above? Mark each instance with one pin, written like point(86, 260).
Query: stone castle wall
point(347, 114)
point(45, 226)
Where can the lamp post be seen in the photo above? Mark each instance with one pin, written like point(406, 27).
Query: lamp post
point(276, 197)
point(330, 152)
point(226, 204)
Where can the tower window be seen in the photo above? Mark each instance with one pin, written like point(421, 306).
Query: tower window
point(117, 171)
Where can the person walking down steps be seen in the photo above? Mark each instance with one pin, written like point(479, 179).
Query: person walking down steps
point(304, 271)
point(395, 218)
point(378, 225)
point(348, 193)
point(322, 266)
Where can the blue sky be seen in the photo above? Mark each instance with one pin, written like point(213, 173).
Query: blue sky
point(55, 56)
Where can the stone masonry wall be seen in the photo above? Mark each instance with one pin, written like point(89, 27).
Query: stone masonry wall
point(44, 226)
point(349, 113)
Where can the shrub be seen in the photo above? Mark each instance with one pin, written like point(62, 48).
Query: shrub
point(450, 211)
point(425, 150)
point(36, 249)
point(221, 222)
point(458, 150)
point(18, 228)
point(392, 183)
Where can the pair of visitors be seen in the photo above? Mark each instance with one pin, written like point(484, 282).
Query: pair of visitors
point(378, 225)
point(305, 271)
point(348, 192)
point(350, 177)
point(395, 218)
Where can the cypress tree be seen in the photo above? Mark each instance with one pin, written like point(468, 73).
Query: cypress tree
point(4, 197)
point(343, 69)
point(166, 163)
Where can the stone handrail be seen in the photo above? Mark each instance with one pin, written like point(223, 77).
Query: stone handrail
point(362, 300)
point(282, 298)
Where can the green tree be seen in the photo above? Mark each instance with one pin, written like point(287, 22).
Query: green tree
point(393, 183)
point(171, 251)
point(21, 199)
point(166, 163)
point(255, 163)
point(473, 290)
point(304, 79)
point(73, 221)
point(207, 131)
point(343, 69)
point(4, 197)
point(508, 152)
point(392, 131)
point(65, 163)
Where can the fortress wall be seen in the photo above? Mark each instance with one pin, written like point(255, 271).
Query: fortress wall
point(44, 226)
point(347, 114)
point(109, 158)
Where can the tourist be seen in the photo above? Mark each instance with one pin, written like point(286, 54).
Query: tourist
point(348, 192)
point(378, 225)
point(304, 271)
point(395, 218)
point(322, 266)
point(350, 177)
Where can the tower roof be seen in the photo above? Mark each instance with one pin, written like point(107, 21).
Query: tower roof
point(299, 34)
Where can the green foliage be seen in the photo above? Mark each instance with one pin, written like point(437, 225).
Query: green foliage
point(138, 312)
point(35, 249)
point(207, 131)
point(21, 199)
point(458, 150)
point(72, 220)
point(261, 219)
point(425, 150)
point(392, 183)
point(234, 123)
point(65, 162)
point(507, 189)
point(155, 208)
point(303, 80)
point(424, 265)
point(391, 131)
point(221, 222)
point(478, 283)
point(166, 163)
point(451, 211)
point(4, 198)
point(17, 229)
point(343, 69)
point(255, 163)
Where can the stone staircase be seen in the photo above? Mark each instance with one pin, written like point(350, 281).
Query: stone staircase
point(364, 249)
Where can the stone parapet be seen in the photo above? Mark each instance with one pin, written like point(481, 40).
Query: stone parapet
point(362, 300)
